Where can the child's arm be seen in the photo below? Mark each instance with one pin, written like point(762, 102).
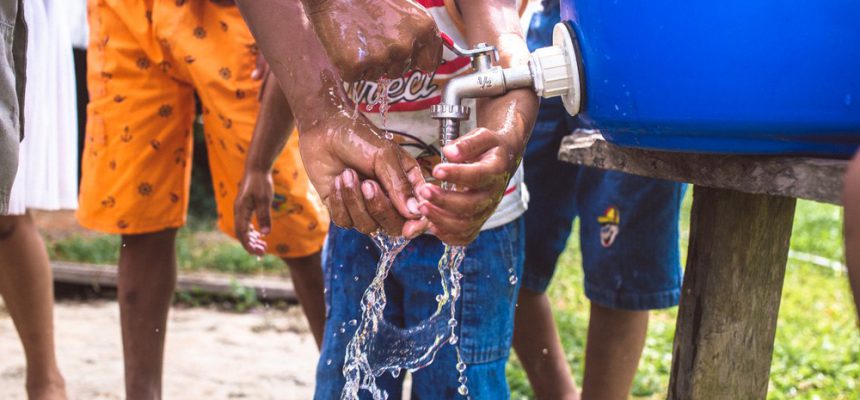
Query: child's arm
point(851, 201)
point(367, 39)
point(331, 140)
point(274, 125)
point(484, 160)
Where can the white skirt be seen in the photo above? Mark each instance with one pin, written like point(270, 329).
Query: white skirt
point(48, 163)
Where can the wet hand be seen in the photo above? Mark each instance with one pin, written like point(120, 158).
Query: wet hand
point(369, 39)
point(480, 166)
point(337, 143)
point(364, 206)
point(254, 199)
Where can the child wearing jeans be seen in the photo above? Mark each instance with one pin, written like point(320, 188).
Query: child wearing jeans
point(630, 255)
point(487, 217)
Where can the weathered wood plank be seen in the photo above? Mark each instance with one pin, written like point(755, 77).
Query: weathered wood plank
point(731, 293)
point(805, 178)
point(106, 276)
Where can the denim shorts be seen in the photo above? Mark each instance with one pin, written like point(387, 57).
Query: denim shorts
point(485, 310)
point(628, 224)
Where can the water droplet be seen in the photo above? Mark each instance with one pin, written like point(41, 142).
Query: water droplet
point(461, 366)
point(463, 390)
point(439, 298)
point(355, 278)
point(328, 362)
point(352, 322)
point(395, 373)
point(453, 340)
point(513, 280)
point(452, 322)
point(342, 330)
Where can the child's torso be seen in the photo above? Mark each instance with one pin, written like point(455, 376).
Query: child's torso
point(410, 97)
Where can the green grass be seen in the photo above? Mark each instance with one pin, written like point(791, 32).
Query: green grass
point(197, 248)
point(817, 349)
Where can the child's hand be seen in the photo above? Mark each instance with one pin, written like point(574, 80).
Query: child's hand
point(365, 207)
point(338, 143)
point(480, 167)
point(255, 198)
point(368, 39)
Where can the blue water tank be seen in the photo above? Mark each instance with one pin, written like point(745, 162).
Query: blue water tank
point(727, 76)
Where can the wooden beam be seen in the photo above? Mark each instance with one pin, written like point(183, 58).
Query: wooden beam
point(223, 285)
point(805, 178)
point(730, 296)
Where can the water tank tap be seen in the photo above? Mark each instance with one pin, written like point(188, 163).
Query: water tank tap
point(551, 72)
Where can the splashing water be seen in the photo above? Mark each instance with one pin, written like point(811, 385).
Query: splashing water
point(383, 101)
point(379, 347)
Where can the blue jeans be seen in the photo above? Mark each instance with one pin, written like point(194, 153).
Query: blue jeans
point(485, 310)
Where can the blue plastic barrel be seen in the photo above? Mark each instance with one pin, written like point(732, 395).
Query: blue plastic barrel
point(722, 76)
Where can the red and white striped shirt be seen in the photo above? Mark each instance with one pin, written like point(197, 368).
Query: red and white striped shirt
point(410, 98)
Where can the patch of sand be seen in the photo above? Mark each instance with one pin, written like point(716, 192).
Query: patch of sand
point(210, 354)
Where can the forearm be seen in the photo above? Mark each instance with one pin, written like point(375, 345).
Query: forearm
point(273, 128)
point(512, 115)
point(308, 79)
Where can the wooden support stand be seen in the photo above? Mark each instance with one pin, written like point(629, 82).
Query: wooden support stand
point(731, 293)
point(743, 209)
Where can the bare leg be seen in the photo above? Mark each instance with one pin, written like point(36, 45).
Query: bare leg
point(307, 276)
point(851, 200)
point(28, 291)
point(147, 279)
point(539, 348)
point(615, 342)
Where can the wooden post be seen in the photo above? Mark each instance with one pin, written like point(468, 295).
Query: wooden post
point(731, 293)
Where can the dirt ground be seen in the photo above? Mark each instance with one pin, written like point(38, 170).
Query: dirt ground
point(211, 354)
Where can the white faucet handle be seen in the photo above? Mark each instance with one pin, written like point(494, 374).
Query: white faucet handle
point(556, 70)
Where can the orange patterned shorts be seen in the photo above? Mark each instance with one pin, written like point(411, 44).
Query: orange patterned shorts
point(147, 59)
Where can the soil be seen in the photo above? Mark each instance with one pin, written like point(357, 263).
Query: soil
point(211, 354)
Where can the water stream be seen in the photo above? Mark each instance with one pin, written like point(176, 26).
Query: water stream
point(377, 346)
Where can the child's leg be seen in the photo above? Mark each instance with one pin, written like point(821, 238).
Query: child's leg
point(615, 342)
point(539, 348)
point(552, 186)
point(851, 201)
point(307, 277)
point(629, 237)
point(136, 171)
point(147, 279)
point(28, 291)
point(485, 311)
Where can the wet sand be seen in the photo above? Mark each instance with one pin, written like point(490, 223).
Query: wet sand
point(211, 354)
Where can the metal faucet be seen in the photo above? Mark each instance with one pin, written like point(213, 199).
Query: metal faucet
point(552, 71)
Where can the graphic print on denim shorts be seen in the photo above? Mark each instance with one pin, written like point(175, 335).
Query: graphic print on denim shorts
point(609, 225)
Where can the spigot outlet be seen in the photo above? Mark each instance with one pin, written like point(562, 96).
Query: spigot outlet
point(551, 72)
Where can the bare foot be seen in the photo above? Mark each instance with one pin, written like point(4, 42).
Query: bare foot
point(54, 389)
